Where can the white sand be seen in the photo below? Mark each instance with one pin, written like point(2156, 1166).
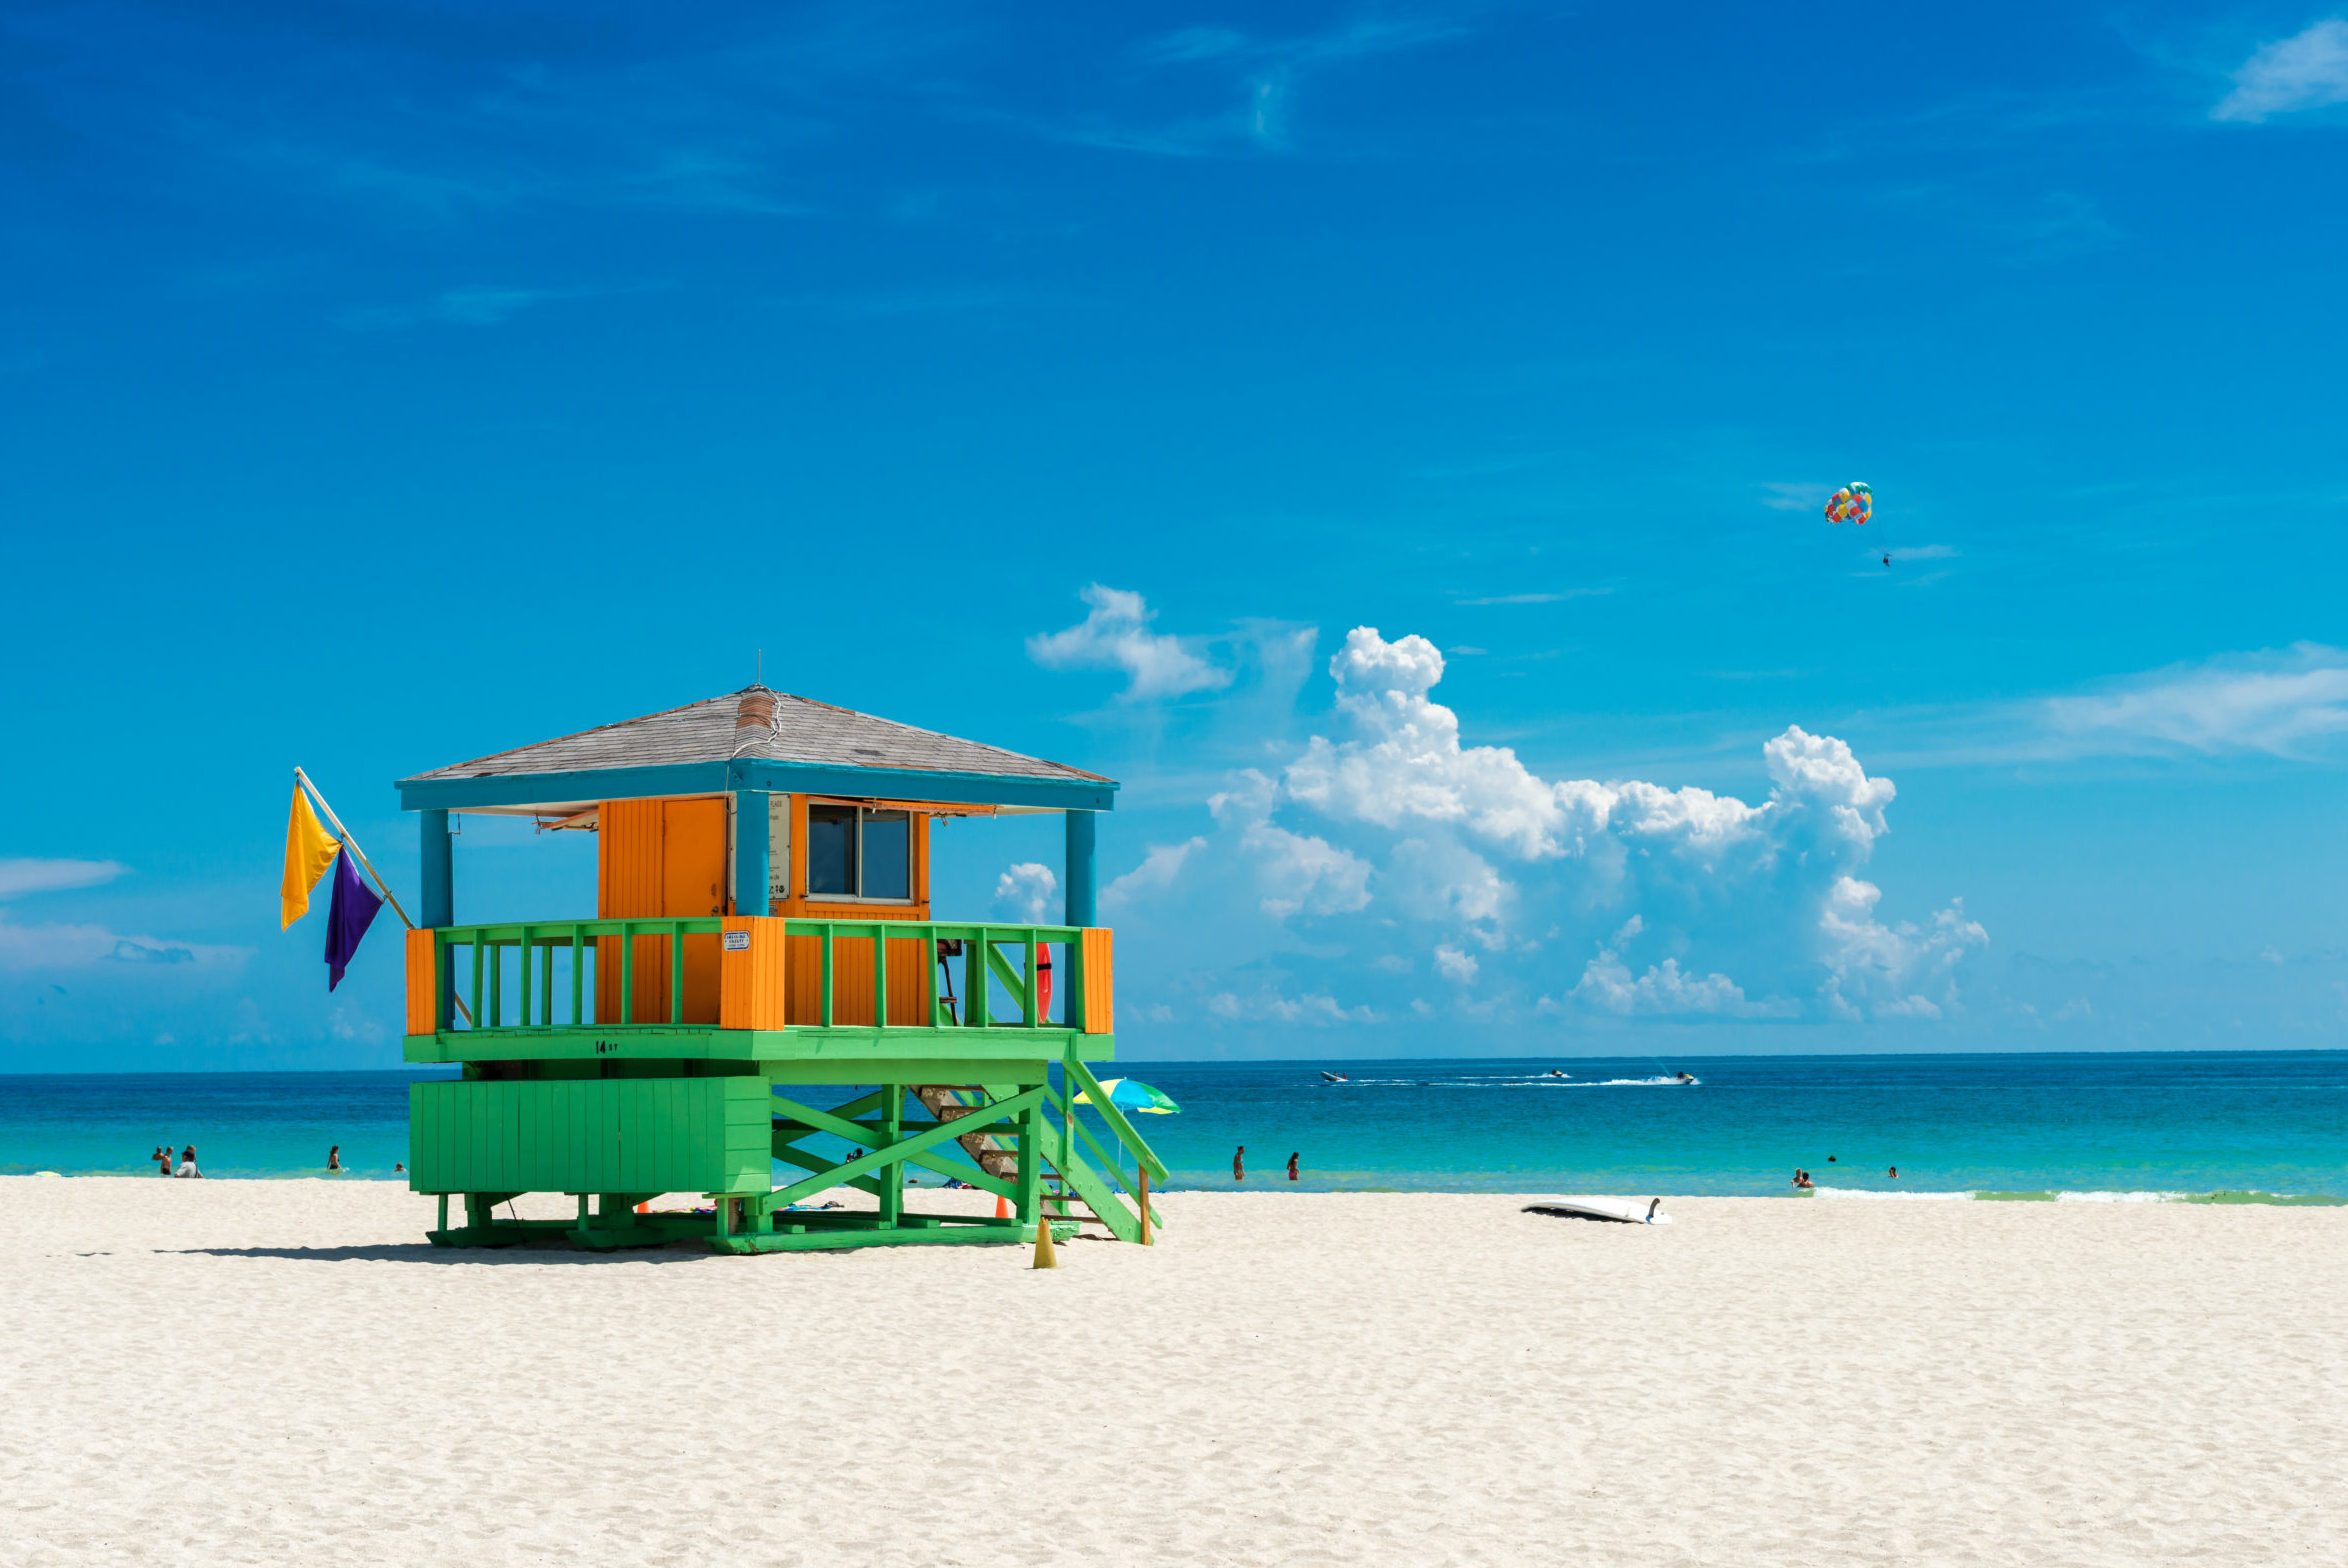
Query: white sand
point(281, 1372)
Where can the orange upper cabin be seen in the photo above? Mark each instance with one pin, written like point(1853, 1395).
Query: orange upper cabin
point(837, 806)
point(828, 858)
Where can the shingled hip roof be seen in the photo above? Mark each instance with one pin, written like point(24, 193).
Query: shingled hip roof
point(756, 724)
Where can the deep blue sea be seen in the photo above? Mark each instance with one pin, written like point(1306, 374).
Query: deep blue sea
point(2239, 1126)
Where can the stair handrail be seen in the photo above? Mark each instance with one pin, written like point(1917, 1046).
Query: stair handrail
point(1102, 1163)
point(1073, 1067)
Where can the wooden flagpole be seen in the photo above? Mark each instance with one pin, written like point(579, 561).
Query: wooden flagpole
point(310, 788)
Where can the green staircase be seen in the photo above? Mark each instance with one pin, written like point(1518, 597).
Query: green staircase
point(1083, 1180)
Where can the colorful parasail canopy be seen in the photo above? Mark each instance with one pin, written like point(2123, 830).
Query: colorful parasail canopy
point(1131, 1094)
point(1853, 503)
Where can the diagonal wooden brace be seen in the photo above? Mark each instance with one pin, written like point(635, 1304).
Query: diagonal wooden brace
point(915, 1150)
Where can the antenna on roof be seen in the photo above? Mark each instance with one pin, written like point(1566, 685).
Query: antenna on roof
point(760, 668)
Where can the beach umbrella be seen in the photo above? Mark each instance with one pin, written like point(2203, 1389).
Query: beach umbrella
point(1131, 1094)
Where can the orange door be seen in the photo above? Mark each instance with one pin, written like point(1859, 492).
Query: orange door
point(693, 883)
point(660, 858)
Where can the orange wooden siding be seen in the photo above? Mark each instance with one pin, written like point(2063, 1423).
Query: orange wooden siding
point(655, 858)
point(1100, 981)
point(421, 984)
point(752, 977)
point(911, 961)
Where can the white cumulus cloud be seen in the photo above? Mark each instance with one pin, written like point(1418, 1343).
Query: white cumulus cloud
point(1609, 985)
point(1025, 892)
point(1115, 635)
point(1157, 872)
point(1294, 872)
point(1471, 839)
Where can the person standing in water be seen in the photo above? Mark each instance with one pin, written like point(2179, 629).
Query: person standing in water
point(334, 1159)
point(1292, 1167)
point(1239, 1163)
point(187, 1163)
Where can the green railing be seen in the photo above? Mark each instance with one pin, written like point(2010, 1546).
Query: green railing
point(973, 1005)
point(550, 974)
point(477, 962)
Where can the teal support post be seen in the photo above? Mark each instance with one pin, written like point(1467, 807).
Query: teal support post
point(750, 852)
point(437, 905)
point(1080, 887)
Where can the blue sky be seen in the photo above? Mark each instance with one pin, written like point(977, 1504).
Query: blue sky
point(385, 385)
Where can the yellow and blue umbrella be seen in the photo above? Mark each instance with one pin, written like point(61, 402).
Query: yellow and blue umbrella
point(1131, 1094)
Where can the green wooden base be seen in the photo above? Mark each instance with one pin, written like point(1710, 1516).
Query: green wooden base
point(636, 1131)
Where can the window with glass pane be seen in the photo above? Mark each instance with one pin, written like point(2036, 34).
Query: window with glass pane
point(831, 851)
point(888, 854)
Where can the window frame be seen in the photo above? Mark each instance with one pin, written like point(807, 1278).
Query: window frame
point(864, 811)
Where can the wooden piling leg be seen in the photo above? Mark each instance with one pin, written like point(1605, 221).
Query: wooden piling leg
point(1030, 1179)
point(1142, 1192)
point(892, 1176)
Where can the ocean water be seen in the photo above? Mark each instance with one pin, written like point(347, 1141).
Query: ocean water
point(2176, 1126)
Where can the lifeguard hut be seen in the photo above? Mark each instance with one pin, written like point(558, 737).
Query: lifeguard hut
point(763, 944)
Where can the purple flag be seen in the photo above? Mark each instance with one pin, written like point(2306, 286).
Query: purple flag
point(347, 919)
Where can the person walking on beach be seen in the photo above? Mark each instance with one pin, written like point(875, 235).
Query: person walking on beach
point(334, 1159)
point(1239, 1163)
point(187, 1163)
point(1292, 1167)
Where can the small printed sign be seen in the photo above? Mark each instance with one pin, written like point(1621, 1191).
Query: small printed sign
point(737, 941)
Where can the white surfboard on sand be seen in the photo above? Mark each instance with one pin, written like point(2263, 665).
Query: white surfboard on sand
point(1622, 1211)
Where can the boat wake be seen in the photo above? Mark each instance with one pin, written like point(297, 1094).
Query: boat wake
point(1518, 1081)
point(2286, 1199)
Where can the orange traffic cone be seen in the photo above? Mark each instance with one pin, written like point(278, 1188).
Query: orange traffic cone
point(1002, 1207)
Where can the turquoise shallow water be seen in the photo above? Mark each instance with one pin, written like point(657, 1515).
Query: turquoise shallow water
point(2248, 1126)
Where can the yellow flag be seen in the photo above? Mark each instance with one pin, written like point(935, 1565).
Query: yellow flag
point(309, 850)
